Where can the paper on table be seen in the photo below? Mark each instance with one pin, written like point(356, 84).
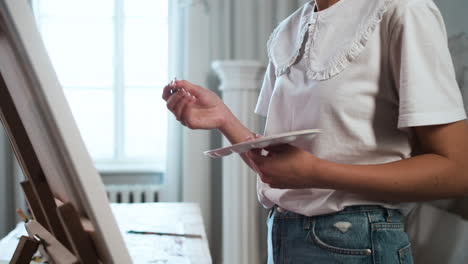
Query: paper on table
point(8, 244)
point(153, 248)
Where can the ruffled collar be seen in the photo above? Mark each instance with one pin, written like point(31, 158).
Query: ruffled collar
point(336, 36)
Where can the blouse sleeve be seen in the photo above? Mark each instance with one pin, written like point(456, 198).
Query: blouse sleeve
point(266, 91)
point(422, 67)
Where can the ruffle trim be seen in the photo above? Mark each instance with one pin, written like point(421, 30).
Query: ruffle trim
point(341, 60)
point(347, 55)
point(284, 68)
point(271, 41)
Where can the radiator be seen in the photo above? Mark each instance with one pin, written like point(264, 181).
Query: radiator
point(133, 193)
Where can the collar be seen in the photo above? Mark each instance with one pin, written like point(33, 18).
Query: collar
point(336, 36)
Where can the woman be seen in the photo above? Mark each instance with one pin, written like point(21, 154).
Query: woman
point(377, 78)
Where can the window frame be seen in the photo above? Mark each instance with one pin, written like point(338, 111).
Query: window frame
point(118, 164)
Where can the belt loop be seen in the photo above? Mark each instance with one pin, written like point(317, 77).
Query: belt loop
point(392, 215)
point(370, 217)
point(376, 216)
point(388, 215)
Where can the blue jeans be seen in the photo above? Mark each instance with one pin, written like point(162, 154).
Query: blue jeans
point(358, 234)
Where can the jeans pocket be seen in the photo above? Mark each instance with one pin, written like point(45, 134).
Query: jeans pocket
point(405, 255)
point(390, 242)
point(342, 234)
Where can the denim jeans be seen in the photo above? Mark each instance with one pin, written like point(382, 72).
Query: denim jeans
point(358, 234)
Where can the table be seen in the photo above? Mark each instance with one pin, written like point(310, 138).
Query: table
point(160, 217)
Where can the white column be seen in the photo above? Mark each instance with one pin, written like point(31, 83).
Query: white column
point(243, 240)
point(190, 53)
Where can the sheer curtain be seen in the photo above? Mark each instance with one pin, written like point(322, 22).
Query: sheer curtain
point(202, 31)
point(11, 195)
point(7, 219)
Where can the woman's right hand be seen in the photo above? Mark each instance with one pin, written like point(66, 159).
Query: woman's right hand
point(196, 107)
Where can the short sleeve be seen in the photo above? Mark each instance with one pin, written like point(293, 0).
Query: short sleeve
point(422, 67)
point(266, 91)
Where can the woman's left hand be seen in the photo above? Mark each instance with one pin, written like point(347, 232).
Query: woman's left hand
point(285, 167)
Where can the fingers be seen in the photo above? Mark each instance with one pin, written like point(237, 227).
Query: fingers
point(191, 88)
point(186, 119)
point(258, 163)
point(180, 110)
point(253, 137)
point(167, 92)
point(253, 157)
point(260, 157)
point(256, 156)
point(256, 168)
point(179, 105)
point(174, 100)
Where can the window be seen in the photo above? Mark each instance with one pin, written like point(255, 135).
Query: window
point(111, 57)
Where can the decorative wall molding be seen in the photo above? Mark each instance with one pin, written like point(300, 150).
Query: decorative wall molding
point(190, 3)
point(239, 75)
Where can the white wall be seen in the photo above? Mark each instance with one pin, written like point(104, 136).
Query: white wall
point(455, 13)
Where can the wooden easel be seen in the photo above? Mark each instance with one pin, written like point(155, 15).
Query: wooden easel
point(57, 230)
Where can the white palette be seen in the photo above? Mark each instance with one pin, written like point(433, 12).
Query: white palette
point(286, 138)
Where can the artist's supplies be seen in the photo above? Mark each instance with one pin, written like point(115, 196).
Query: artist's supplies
point(173, 86)
point(163, 234)
point(37, 259)
point(22, 215)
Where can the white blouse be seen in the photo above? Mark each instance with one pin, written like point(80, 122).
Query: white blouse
point(364, 72)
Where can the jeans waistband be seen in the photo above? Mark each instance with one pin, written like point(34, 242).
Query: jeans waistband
point(365, 208)
point(391, 215)
point(375, 212)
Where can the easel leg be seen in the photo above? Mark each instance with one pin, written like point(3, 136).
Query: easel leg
point(44, 209)
point(80, 240)
point(53, 249)
point(46, 198)
point(25, 250)
point(33, 203)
